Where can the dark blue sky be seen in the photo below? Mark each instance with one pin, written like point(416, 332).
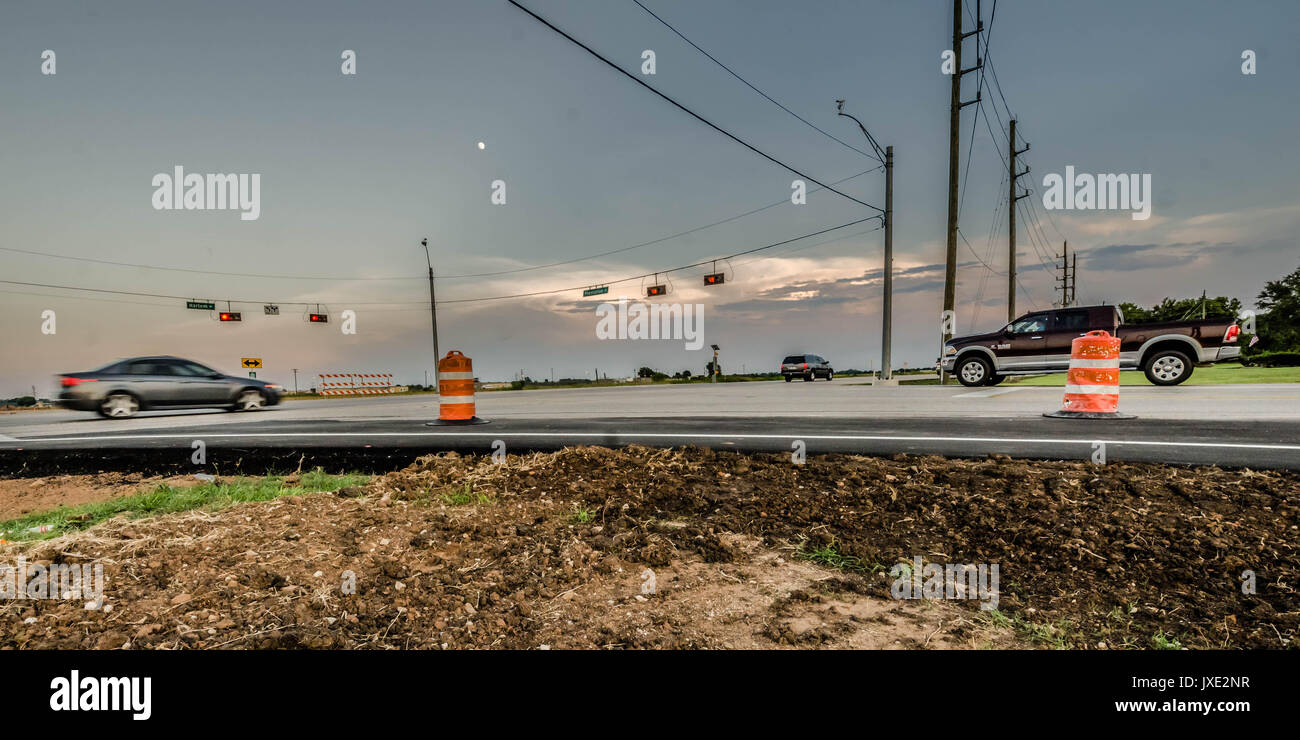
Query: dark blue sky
point(355, 170)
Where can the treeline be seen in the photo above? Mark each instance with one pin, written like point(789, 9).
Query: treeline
point(1275, 339)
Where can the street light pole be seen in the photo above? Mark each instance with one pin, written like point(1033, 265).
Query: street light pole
point(433, 307)
point(887, 329)
point(886, 157)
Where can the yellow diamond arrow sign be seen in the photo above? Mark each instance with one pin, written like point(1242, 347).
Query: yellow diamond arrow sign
point(251, 362)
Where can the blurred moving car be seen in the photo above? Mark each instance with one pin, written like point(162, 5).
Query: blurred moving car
point(122, 388)
point(808, 367)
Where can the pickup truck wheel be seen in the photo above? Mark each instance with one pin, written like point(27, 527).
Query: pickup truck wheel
point(994, 379)
point(1168, 367)
point(973, 371)
point(789, 378)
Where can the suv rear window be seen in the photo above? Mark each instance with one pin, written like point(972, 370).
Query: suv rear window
point(793, 360)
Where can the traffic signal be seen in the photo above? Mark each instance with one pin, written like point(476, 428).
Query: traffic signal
point(655, 290)
point(716, 278)
point(320, 318)
point(230, 316)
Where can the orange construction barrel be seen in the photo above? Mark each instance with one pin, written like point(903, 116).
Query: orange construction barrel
point(456, 390)
point(1092, 386)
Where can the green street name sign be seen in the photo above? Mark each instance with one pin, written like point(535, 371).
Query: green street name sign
point(201, 305)
point(602, 290)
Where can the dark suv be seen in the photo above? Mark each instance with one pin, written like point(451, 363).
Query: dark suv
point(808, 367)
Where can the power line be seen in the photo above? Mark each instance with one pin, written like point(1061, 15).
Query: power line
point(196, 271)
point(652, 241)
point(461, 300)
point(690, 112)
point(664, 271)
point(191, 297)
point(750, 85)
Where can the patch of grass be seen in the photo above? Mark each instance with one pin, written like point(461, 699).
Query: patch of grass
point(165, 499)
point(464, 496)
point(831, 557)
point(582, 516)
point(1221, 374)
point(1056, 635)
point(1161, 641)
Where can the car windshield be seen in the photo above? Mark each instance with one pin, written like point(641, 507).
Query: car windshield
point(793, 360)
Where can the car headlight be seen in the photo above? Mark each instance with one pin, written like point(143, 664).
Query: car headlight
point(949, 350)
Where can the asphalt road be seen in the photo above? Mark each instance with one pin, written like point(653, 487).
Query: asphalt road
point(1235, 426)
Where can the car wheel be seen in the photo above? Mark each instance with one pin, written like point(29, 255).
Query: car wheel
point(250, 400)
point(788, 378)
point(808, 378)
point(830, 375)
point(1168, 367)
point(119, 406)
point(973, 371)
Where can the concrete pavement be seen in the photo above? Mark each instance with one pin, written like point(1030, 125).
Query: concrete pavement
point(1243, 425)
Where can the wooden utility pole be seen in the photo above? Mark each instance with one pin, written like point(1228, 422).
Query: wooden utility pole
point(1011, 221)
point(1074, 279)
point(1067, 284)
point(954, 155)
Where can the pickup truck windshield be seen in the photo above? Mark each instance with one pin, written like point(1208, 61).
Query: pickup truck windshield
point(1029, 324)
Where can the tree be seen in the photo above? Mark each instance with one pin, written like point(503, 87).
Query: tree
point(1177, 309)
point(708, 368)
point(1278, 320)
point(645, 372)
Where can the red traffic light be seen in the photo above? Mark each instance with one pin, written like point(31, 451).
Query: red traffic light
point(716, 278)
point(320, 318)
point(655, 290)
point(230, 316)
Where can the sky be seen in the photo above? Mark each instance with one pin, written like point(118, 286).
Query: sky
point(355, 170)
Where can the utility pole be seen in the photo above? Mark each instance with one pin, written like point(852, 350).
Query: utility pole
point(887, 322)
point(1067, 284)
point(954, 155)
point(1074, 280)
point(295, 380)
point(433, 308)
point(887, 314)
point(1011, 223)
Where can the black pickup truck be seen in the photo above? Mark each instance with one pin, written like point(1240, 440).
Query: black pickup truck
point(1039, 342)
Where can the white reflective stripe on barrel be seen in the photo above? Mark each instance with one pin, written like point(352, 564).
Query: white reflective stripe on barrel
point(455, 376)
point(1095, 364)
point(1105, 390)
point(452, 400)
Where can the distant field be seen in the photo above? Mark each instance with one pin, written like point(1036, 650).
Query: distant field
point(1213, 375)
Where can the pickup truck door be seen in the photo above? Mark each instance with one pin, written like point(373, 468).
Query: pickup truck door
point(1023, 343)
point(1067, 324)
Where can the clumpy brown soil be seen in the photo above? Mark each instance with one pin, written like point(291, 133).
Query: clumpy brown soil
point(553, 550)
point(20, 496)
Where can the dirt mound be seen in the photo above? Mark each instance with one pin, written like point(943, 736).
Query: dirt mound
point(640, 547)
